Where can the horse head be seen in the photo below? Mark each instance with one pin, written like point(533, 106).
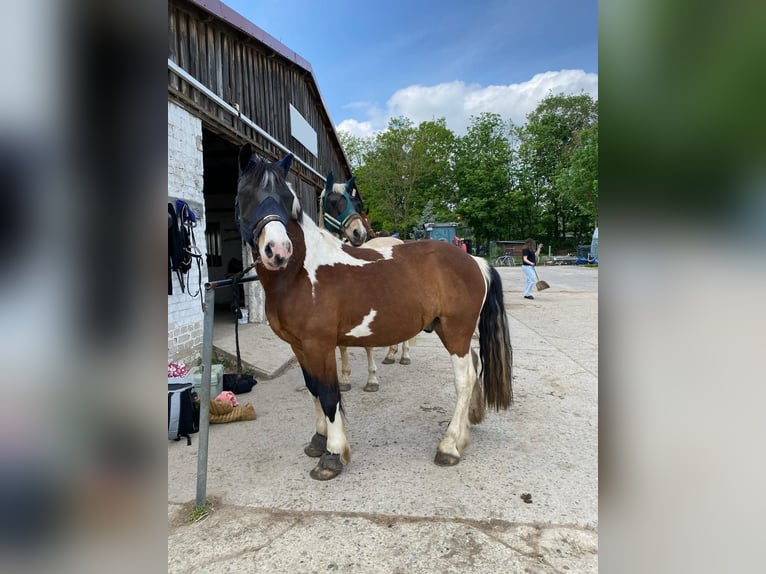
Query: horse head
point(265, 202)
point(340, 205)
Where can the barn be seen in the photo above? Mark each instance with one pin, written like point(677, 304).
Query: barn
point(229, 83)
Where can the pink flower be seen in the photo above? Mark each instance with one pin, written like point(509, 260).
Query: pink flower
point(177, 370)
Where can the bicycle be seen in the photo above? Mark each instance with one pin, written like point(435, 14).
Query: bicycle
point(505, 261)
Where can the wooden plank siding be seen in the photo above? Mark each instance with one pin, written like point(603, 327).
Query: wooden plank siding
point(242, 70)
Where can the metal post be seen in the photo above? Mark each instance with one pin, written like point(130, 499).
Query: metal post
point(204, 395)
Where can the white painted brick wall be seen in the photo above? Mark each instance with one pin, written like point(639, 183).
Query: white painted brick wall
point(185, 181)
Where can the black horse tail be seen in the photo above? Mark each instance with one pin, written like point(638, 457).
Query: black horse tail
point(495, 343)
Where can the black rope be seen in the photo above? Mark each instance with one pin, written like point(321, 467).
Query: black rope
point(236, 307)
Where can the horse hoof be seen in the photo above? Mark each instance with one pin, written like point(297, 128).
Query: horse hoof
point(371, 387)
point(329, 467)
point(444, 459)
point(317, 446)
point(388, 361)
point(405, 361)
point(343, 387)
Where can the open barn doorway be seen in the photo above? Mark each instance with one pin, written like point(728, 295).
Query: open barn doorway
point(224, 245)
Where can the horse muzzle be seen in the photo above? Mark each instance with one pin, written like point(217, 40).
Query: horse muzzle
point(275, 250)
point(355, 231)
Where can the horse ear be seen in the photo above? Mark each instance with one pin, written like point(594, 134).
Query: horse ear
point(285, 162)
point(245, 153)
point(329, 182)
point(350, 186)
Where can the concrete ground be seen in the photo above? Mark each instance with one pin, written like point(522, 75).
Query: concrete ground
point(392, 509)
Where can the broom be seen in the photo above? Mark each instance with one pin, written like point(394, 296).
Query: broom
point(540, 284)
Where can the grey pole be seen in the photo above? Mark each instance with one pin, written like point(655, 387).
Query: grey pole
point(204, 394)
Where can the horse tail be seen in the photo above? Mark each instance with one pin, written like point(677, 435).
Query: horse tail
point(495, 343)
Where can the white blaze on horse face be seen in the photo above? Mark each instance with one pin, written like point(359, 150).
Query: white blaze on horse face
point(355, 232)
point(363, 328)
point(275, 246)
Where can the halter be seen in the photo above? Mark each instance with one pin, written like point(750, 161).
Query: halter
point(250, 227)
point(337, 225)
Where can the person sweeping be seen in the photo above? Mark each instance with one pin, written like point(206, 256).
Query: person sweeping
point(529, 256)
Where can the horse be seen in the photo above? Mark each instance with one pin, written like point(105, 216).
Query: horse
point(307, 275)
point(340, 211)
point(374, 241)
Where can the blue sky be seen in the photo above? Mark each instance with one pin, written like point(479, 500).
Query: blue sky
point(425, 59)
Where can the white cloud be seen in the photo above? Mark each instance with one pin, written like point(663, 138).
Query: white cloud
point(458, 101)
point(354, 127)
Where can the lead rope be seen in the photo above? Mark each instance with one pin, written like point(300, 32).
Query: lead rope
point(237, 312)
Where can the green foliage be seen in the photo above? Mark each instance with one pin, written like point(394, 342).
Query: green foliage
point(403, 169)
point(501, 180)
point(354, 147)
point(548, 143)
point(482, 177)
point(577, 180)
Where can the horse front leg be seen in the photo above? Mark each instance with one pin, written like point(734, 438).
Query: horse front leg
point(372, 369)
point(321, 377)
point(345, 370)
point(456, 438)
point(318, 444)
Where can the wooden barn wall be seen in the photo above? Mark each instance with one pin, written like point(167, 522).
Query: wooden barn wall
point(241, 70)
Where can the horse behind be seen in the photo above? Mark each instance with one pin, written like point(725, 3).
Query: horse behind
point(306, 275)
point(341, 213)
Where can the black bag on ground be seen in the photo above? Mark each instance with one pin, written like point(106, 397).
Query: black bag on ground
point(238, 384)
point(183, 413)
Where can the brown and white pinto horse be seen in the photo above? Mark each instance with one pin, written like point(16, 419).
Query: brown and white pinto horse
point(423, 285)
point(340, 212)
point(374, 241)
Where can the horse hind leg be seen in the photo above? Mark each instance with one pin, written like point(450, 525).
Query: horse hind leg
point(457, 436)
point(390, 357)
point(345, 370)
point(372, 385)
point(405, 359)
point(476, 409)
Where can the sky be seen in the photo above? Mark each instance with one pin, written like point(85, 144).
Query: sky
point(427, 59)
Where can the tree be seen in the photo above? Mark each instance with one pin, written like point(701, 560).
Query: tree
point(403, 169)
point(504, 181)
point(577, 181)
point(482, 177)
point(547, 143)
point(354, 147)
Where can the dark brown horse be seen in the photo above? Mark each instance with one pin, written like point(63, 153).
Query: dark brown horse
point(307, 275)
